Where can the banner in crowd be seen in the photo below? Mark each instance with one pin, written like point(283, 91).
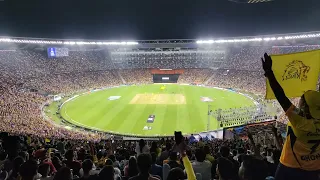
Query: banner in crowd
point(296, 73)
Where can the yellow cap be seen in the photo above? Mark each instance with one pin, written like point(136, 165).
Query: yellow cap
point(313, 101)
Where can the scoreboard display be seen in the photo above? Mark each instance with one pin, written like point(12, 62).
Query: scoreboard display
point(54, 52)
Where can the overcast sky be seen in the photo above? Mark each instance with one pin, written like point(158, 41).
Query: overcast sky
point(155, 19)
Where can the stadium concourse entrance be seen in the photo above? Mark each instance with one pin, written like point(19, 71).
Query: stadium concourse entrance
point(166, 75)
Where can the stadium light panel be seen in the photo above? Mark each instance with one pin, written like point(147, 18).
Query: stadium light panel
point(132, 43)
point(79, 43)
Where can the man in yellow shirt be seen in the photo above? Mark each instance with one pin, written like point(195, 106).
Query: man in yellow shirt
point(300, 157)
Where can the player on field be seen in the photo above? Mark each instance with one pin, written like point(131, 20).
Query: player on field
point(300, 157)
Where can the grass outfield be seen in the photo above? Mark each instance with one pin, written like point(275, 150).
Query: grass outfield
point(177, 108)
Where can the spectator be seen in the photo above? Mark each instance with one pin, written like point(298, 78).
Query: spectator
point(253, 169)
point(295, 156)
point(56, 163)
point(142, 147)
point(44, 170)
point(144, 164)
point(209, 157)
point(28, 170)
point(61, 146)
point(132, 168)
point(173, 161)
point(64, 173)
point(115, 161)
point(165, 154)
point(223, 169)
point(156, 170)
point(107, 173)
point(154, 148)
point(176, 174)
point(71, 163)
point(117, 171)
point(201, 165)
point(17, 162)
point(87, 168)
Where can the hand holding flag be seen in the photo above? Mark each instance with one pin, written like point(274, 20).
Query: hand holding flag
point(266, 63)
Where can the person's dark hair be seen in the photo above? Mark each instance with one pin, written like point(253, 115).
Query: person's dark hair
point(176, 174)
point(112, 157)
point(88, 157)
point(23, 154)
point(168, 146)
point(144, 163)
point(200, 155)
point(173, 156)
point(225, 151)
point(107, 172)
point(225, 167)
point(234, 152)
point(240, 151)
point(126, 155)
point(142, 143)
point(64, 173)
point(28, 170)
point(133, 167)
point(87, 166)
point(43, 169)
point(253, 169)
point(206, 149)
point(154, 147)
point(154, 157)
point(109, 162)
point(69, 155)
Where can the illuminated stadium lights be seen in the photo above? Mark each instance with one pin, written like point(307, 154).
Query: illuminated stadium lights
point(8, 40)
point(123, 43)
point(270, 39)
point(229, 40)
point(258, 39)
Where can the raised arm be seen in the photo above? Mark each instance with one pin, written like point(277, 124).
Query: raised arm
point(276, 137)
point(275, 86)
point(253, 144)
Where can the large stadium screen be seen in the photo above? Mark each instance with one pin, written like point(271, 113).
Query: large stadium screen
point(54, 52)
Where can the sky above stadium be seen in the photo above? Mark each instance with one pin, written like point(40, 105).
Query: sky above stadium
point(155, 19)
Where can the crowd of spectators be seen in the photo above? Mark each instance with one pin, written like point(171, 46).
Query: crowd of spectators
point(38, 154)
point(22, 70)
point(24, 157)
point(197, 76)
point(168, 59)
point(136, 76)
point(250, 81)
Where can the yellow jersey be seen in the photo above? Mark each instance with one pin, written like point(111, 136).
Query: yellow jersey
point(302, 146)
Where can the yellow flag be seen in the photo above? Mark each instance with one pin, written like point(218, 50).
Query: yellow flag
point(296, 73)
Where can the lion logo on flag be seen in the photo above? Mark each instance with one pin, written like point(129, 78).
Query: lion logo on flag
point(296, 70)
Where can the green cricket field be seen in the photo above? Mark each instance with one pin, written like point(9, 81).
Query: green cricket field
point(146, 110)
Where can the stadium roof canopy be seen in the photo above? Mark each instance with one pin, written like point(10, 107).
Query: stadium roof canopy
point(305, 38)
